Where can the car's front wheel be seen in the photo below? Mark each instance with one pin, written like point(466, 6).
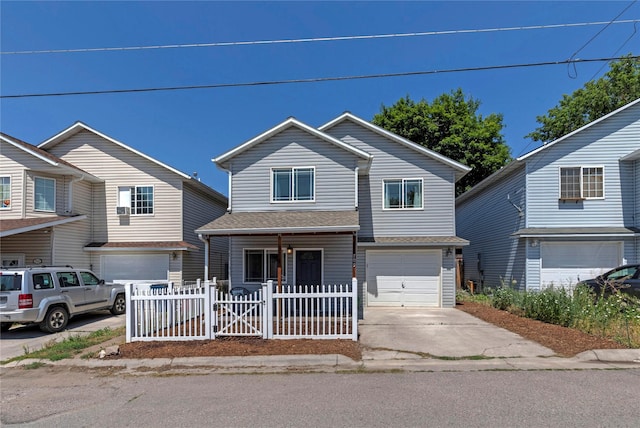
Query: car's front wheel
point(55, 320)
point(119, 305)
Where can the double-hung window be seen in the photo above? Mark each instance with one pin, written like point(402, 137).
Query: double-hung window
point(262, 265)
point(403, 193)
point(45, 194)
point(292, 184)
point(582, 182)
point(5, 192)
point(138, 198)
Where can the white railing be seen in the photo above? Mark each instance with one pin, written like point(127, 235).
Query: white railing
point(199, 310)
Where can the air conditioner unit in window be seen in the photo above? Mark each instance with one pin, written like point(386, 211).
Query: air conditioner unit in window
point(122, 210)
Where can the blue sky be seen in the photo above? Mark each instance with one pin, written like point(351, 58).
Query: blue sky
point(185, 129)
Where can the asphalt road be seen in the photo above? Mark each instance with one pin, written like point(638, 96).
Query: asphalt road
point(20, 339)
point(45, 397)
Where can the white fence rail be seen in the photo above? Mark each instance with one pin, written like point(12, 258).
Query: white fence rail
point(199, 310)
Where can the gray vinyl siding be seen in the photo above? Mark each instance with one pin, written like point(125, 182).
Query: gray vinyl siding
point(393, 160)
point(448, 278)
point(34, 245)
point(336, 256)
point(334, 173)
point(488, 220)
point(12, 164)
point(121, 167)
point(361, 274)
point(601, 145)
point(636, 174)
point(534, 264)
point(198, 209)
point(68, 243)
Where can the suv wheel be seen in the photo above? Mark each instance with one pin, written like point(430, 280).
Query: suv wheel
point(5, 326)
point(119, 305)
point(55, 320)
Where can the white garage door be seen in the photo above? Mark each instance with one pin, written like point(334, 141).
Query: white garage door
point(566, 263)
point(403, 278)
point(135, 267)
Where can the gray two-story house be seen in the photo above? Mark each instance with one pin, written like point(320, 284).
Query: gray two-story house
point(566, 211)
point(346, 200)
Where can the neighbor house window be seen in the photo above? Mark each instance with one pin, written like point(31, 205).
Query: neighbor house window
point(5, 192)
point(138, 198)
point(582, 182)
point(405, 193)
point(292, 184)
point(45, 194)
point(262, 265)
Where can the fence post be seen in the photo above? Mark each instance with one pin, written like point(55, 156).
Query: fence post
point(212, 292)
point(129, 315)
point(267, 296)
point(207, 307)
point(354, 308)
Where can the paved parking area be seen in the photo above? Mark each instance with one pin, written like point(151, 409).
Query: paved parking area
point(440, 332)
point(20, 339)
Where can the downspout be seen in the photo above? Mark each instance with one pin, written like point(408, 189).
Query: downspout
point(70, 200)
point(229, 192)
point(206, 255)
point(356, 187)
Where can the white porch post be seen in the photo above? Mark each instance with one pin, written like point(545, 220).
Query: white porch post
point(354, 308)
point(267, 317)
point(129, 315)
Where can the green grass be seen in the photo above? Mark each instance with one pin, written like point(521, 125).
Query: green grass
point(69, 347)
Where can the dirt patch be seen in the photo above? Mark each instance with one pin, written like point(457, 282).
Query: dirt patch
point(563, 341)
point(566, 342)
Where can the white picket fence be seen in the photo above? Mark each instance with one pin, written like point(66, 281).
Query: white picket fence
point(199, 310)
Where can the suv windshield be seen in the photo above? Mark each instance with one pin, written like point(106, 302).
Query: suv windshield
point(10, 282)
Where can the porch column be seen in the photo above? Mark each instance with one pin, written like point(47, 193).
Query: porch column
point(279, 263)
point(354, 257)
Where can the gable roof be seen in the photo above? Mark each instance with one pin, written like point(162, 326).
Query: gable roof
point(79, 127)
point(289, 123)
point(461, 170)
point(496, 176)
point(47, 157)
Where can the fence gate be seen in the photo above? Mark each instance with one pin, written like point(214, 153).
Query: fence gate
point(242, 315)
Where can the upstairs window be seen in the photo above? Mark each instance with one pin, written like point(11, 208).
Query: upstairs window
point(5, 192)
point(292, 184)
point(405, 193)
point(138, 198)
point(45, 194)
point(582, 183)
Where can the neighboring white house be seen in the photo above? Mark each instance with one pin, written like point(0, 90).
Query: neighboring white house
point(566, 211)
point(348, 199)
point(84, 199)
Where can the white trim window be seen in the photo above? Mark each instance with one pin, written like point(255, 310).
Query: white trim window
point(582, 182)
point(138, 198)
point(402, 194)
point(261, 265)
point(44, 192)
point(5, 192)
point(293, 184)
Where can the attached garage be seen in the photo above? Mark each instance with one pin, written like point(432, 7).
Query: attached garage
point(135, 267)
point(566, 263)
point(404, 277)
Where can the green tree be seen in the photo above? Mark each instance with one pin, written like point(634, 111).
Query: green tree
point(619, 86)
point(451, 126)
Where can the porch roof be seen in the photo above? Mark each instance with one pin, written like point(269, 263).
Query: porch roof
point(284, 222)
point(575, 232)
point(425, 241)
point(10, 227)
point(141, 246)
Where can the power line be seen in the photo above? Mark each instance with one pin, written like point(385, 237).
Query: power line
point(309, 80)
point(320, 39)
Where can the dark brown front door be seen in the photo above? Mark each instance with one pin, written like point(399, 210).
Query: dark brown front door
point(308, 267)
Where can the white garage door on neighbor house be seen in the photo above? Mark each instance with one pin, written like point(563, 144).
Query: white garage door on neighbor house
point(135, 267)
point(566, 263)
point(404, 278)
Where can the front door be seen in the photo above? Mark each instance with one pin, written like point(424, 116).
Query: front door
point(308, 267)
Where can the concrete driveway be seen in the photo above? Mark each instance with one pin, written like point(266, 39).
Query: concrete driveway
point(20, 339)
point(439, 333)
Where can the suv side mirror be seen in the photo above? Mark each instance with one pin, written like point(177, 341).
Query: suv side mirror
point(101, 282)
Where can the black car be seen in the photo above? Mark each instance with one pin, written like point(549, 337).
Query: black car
point(625, 278)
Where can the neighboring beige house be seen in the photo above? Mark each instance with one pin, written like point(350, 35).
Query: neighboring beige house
point(84, 199)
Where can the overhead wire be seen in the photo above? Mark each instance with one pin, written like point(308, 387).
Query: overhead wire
point(323, 39)
point(307, 80)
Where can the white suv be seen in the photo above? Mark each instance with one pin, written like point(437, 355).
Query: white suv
point(51, 295)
